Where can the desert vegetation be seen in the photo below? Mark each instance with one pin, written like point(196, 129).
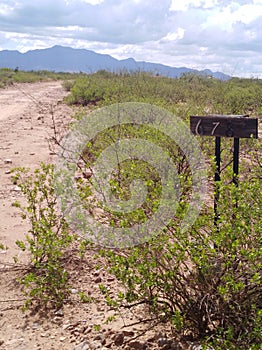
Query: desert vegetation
point(206, 282)
point(11, 76)
point(200, 93)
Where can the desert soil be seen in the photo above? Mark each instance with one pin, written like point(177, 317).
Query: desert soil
point(25, 127)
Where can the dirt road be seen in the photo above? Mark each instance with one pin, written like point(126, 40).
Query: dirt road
point(25, 127)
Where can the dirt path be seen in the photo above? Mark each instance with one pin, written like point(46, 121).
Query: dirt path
point(25, 127)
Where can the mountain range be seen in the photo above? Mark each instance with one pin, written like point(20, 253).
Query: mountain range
point(66, 59)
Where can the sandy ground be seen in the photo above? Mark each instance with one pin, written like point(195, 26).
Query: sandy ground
point(25, 127)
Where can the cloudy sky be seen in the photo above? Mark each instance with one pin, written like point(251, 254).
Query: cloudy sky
point(223, 35)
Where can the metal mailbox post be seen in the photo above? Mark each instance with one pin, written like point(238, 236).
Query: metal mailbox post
point(217, 125)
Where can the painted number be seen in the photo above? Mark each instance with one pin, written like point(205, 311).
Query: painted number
point(214, 128)
point(199, 129)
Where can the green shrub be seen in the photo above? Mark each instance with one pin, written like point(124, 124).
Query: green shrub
point(68, 84)
point(10, 76)
point(205, 282)
point(86, 92)
point(189, 94)
point(46, 283)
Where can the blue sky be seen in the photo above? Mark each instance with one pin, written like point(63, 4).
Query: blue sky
point(222, 35)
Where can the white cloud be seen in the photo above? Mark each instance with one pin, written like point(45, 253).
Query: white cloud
point(247, 13)
point(5, 9)
point(179, 5)
point(220, 35)
point(91, 2)
point(233, 13)
point(173, 36)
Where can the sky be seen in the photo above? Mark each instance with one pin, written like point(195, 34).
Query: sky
point(221, 35)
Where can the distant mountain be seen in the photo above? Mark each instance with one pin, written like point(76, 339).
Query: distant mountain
point(66, 59)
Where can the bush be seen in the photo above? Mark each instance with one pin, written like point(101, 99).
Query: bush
point(206, 282)
point(85, 92)
point(189, 94)
point(46, 283)
point(68, 84)
point(10, 76)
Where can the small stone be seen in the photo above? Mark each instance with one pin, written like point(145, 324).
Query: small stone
point(128, 333)
point(57, 319)
point(119, 339)
point(62, 339)
point(109, 345)
point(59, 313)
point(8, 161)
point(32, 153)
point(66, 326)
point(16, 189)
point(35, 325)
point(8, 172)
point(110, 279)
point(135, 344)
point(101, 338)
point(98, 280)
point(96, 273)
point(1, 342)
point(95, 345)
point(82, 346)
point(87, 330)
point(74, 291)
